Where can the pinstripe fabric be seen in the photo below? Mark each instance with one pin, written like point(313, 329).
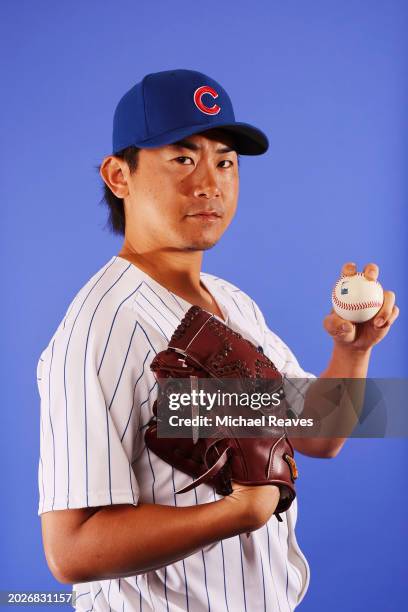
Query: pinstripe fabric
point(97, 393)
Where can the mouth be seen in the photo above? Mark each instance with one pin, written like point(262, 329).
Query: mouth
point(208, 215)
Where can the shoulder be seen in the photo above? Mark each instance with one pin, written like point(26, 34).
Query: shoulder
point(97, 307)
point(226, 287)
point(242, 301)
point(101, 294)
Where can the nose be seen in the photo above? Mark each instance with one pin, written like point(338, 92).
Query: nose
point(206, 185)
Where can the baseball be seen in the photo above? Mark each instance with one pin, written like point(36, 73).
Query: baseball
point(357, 299)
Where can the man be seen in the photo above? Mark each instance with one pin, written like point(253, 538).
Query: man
point(112, 523)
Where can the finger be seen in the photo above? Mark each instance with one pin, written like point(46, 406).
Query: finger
point(349, 269)
point(383, 331)
point(394, 315)
point(338, 327)
point(371, 271)
point(384, 314)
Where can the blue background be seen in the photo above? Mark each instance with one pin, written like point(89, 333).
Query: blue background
point(327, 81)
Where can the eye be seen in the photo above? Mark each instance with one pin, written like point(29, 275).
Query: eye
point(184, 161)
point(229, 163)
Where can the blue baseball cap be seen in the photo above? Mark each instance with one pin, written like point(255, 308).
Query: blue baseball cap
point(167, 106)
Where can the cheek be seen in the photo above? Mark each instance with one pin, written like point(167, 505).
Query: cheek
point(153, 196)
point(231, 190)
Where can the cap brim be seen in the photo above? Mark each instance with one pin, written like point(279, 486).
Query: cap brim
point(248, 140)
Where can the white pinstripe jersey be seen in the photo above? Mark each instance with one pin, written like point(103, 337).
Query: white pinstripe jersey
point(97, 393)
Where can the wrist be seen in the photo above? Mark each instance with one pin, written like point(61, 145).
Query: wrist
point(348, 363)
point(351, 353)
point(239, 515)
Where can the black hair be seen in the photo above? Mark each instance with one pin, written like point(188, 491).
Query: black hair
point(116, 220)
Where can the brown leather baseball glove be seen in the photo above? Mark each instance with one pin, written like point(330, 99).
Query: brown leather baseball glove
point(204, 347)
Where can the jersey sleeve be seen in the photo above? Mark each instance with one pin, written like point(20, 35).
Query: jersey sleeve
point(88, 422)
point(296, 379)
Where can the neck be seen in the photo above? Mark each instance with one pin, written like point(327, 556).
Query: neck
point(178, 271)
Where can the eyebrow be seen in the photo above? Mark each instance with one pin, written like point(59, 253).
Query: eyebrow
point(191, 146)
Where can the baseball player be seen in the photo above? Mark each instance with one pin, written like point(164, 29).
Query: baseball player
point(112, 523)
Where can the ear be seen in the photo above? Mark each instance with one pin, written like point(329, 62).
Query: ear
point(114, 173)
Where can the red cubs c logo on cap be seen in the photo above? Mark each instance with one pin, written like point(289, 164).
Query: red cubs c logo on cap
point(198, 94)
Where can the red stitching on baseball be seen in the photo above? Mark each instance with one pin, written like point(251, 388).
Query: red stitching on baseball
point(359, 305)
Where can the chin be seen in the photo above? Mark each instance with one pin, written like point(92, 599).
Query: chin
point(200, 242)
point(205, 240)
point(201, 245)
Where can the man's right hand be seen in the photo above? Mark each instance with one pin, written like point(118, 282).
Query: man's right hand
point(256, 504)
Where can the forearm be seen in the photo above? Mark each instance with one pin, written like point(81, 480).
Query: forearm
point(351, 368)
point(125, 540)
point(345, 363)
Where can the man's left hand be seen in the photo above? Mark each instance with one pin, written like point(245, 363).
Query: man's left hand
point(363, 336)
